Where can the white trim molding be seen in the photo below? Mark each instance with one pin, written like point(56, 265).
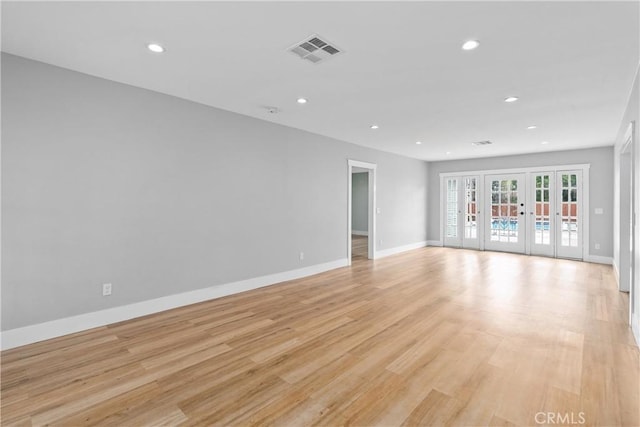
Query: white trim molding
point(399, 249)
point(552, 168)
point(59, 327)
point(434, 243)
point(599, 259)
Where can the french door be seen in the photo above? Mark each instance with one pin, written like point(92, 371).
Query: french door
point(533, 212)
point(556, 217)
point(569, 228)
point(541, 215)
point(461, 212)
point(505, 206)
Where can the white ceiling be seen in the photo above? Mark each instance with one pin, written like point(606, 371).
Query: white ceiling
point(571, 63)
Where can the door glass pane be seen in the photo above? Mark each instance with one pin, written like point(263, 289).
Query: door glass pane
point(452, 208)
point(471, 211)
point(569, 210)
point(504, 211)
point(542, 210)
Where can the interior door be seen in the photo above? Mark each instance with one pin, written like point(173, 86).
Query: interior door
point(505, 213)
point(569, 214)
point(541, 218)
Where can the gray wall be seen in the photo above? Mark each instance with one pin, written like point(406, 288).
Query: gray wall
point(103, 182)
point(360, 201)
point(600, 192)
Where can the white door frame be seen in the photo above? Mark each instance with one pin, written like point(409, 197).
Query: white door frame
point(468, 242)
point(625, 218)
point(371, 167)
point(519, 246)
point(532, 247)
point(451, 241)
point(567, 251)
point(584, 167)
point(443, 206)
point(630, 244)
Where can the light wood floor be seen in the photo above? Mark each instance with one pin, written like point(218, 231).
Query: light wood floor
point(359, 248)
point(433, 336)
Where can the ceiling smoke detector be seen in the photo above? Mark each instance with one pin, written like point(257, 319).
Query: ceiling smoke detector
point(272, 110)
point(315, 49)
point(480, 143)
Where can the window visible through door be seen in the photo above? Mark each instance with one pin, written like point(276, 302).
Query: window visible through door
point(471, 208)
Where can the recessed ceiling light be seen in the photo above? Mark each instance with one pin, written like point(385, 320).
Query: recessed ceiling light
point(302, 100)
point(418, 142)
point(470, 44)
point(532, 127)
point(374, 126)
point(544, 142)
point(155, 48)
point(511, 99)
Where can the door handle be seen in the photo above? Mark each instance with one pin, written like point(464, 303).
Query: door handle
point(521, 213)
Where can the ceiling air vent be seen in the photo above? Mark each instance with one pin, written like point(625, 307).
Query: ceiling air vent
point(479, 143)
point(315, 49)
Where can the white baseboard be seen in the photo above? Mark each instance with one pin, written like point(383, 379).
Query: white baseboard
point(359, 233)
point(434, 243)
point(397, 250)
point(599, 259)
point(55, 328)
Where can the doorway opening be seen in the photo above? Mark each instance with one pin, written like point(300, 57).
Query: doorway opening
point(361, 207)
point(627, 274)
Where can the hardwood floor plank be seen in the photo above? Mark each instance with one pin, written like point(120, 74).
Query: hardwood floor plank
point(434, 336)
point(435, 409)
point(116, 410)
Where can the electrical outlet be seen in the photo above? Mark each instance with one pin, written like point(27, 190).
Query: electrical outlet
point(301, 256)
point(597, 245)
point(106, 289)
